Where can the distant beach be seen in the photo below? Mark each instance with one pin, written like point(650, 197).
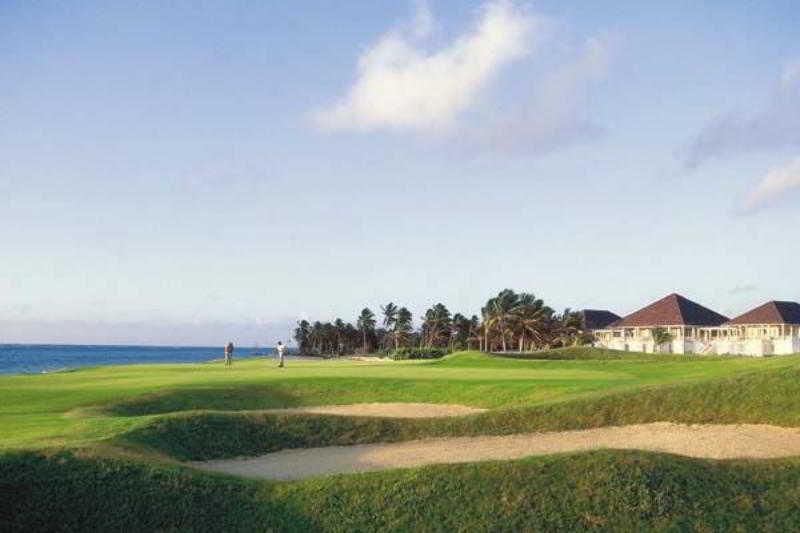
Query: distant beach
point(41, 358)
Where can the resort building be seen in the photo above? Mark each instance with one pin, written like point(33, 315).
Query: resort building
point(770, 329)
point(680, 317)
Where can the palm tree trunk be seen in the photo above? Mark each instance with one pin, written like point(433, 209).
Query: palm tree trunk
point(522, 340)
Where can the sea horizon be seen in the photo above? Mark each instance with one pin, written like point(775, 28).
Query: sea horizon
point(45, 358)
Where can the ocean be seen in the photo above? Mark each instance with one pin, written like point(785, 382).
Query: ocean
point(40, 358)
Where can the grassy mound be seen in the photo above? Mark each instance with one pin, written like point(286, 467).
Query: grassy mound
point(763, 397)
point(63, 492)
point(610, 490)
point(589, 353)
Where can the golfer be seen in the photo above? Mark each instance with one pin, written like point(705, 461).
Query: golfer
point(229, 354)
point(281, 349)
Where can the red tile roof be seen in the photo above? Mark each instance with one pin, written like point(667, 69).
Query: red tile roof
point(771, 313)
point(672, 310)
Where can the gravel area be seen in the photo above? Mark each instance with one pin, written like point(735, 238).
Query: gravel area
point(705, 441)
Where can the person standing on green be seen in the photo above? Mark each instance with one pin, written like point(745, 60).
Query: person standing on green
point(229, 354)
point(281, 349)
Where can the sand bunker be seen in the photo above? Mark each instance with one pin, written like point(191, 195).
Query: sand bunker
point(705, 441)
point(393, 410)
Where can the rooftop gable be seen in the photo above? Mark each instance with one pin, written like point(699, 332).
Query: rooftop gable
point(770, 313)
point(598, 318)
point(672, 310)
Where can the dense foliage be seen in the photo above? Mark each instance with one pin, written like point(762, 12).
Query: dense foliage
point(510, 319)
point(418, 353)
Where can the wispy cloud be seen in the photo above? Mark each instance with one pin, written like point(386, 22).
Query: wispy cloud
point(776, 184)
point(402, 86)
point(775, 125)
point(557, 113)
point(743, 289)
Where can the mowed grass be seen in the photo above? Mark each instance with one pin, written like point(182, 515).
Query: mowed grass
point(83, 407)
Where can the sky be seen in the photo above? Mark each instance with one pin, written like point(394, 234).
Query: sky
point(193, 172)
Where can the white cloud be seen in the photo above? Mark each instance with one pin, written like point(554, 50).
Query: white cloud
point(776, 184)
point(557, 114)
point(423, 21)
point(402, 86)
point(775, 125)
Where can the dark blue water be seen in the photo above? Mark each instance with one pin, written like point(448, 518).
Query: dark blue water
point(37, 358)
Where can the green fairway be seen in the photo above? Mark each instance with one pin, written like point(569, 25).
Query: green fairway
point(85, 406)
point(78, 444)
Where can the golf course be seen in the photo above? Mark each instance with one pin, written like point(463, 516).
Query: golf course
point(491, 443)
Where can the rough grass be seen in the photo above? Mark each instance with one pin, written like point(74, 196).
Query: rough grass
point(625, 491)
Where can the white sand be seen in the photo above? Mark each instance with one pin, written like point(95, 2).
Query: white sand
point(705, 441)
point(393, 410)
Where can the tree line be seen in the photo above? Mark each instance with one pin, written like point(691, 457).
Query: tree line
point(508, 321)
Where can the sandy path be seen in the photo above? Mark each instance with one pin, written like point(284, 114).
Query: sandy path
point(393, 410)
point(707, 441)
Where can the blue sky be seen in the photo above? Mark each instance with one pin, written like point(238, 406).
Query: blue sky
point(194, 171)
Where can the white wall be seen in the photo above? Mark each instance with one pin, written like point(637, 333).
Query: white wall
point(735, 346)
point(786, 345)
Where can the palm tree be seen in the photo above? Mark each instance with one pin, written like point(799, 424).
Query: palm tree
point(302, 335)
point(475, 332)
point(366, 324)
point(316, 337)
point(436, 326)
point(403, 326)
point(339, 326)
point(660, 337)
point(389, 315)
point(461, 331)
point(566, 328)
point(498, 315)
point(530, 316)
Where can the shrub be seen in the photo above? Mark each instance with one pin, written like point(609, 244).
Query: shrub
point(418, 353)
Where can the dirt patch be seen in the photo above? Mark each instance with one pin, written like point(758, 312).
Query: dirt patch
point(704, 441)
point(392, 410)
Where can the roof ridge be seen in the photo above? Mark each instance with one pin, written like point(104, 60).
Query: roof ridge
point(673, 309)
point(771, 312)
